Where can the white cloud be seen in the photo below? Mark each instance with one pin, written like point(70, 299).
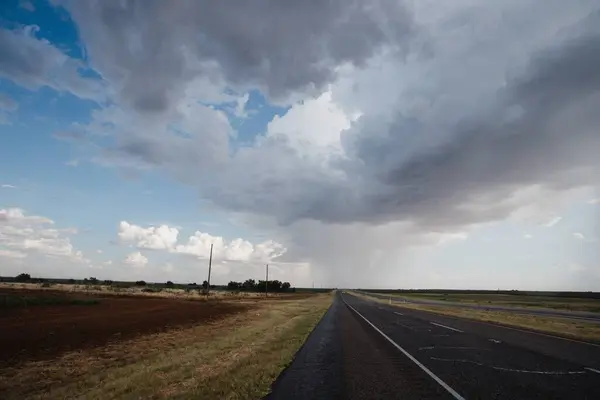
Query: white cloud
point(527, 236)
point(8, 186)
point(552, 222)
point(99, 251)
point(578, 235)
point(34, 234)
point(136, 260)
point(594, 201)
point(312, 126)
point(166, 238)
point(154, 238)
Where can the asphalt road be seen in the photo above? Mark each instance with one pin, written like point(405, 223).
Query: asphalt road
point(366, 350)
point(577, 315)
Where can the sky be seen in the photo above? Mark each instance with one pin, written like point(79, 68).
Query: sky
point(381, 144)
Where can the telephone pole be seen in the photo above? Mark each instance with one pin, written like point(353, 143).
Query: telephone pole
point(209, 268)
point(267, 282)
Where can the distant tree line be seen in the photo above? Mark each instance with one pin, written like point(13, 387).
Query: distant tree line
point(250, 285)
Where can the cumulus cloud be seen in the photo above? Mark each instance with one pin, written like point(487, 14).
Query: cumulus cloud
point(199, 244)
point(155, 238)
point(25, 234)
point(136, 260)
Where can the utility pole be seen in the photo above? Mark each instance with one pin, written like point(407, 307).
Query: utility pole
point(267, 282)
point(209, 268)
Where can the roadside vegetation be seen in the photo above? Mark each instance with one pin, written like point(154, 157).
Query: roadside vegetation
point(576, 329)
point(586, 301)
point(236, 357)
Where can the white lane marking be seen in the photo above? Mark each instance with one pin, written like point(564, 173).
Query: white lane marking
point(447, 327)
point(523, 371)
point(452, 347)
point(494, 341)
point(398, 313)
point(536, 333)
point(407, 354)
point(592, 369)
point(444, 335)
point(405, 326)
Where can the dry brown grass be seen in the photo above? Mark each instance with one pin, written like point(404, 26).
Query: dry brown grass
point(577, 329)
point(234, 358)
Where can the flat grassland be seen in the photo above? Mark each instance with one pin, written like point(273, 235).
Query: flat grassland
point(511, 300)
point(59, 344)
point(572, 328)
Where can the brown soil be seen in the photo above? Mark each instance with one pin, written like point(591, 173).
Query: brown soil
point(45, 331)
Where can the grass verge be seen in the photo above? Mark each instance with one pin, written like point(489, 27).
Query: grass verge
point(235, 358)
point(518, 301)
point(576, 329)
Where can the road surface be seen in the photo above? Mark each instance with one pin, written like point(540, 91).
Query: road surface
point(366, 350)
point(577, 315)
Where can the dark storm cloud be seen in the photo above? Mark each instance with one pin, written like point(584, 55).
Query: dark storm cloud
point(34, 63)
point(153, 47)
point(541, 129)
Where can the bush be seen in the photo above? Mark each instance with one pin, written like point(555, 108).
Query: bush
point(169, 284)
point(140, 283)
point(23, 278)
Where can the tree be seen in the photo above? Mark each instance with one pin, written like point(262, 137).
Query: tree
point(140, 283)
point(234, 285)
point(205, 285)
point(93, 280)
point(23, 278)
point(249, 284)
point(285, 286)
point(169, 284)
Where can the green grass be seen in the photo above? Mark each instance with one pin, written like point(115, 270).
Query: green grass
point(8, 301)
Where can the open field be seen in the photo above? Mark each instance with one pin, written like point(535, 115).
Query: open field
point(144, 347)
point(577, 329)
point(511, 300)
point(147, 291)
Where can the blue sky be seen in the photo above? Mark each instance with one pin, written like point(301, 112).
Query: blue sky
point(129, 146)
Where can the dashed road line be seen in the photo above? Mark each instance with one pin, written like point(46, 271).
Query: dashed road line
point(452, 348)
point(398, 313)
point(407, 354)
point(592, 370)
point(523, 371)
point(447, 327)
point(494, 341)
